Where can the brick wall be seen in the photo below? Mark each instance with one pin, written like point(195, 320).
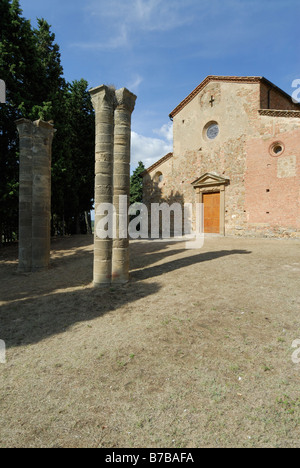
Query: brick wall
point(273, 182)
point(270, 99)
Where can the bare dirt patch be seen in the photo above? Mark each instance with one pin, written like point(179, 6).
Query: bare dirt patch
point(194, 352)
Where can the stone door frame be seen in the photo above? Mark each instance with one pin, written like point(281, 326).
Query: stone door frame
point(212, 183)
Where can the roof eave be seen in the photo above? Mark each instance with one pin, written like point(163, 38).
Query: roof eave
point(157, 164)
point(234, 79)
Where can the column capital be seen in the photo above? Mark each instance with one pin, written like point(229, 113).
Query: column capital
point(22, 122)
point(24, 127)
point(125, 99)
point(103, 95)
point(42, 124)
point(44, 129)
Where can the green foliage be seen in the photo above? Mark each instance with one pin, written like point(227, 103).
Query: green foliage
point(30, 65)
point(73, 162)
point(136, 184)
point(18, 64)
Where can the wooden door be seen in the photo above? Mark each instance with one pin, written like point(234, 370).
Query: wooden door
point(211, 213)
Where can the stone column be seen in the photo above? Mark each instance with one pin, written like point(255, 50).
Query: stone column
point(34, 194)
point(125, 102)
point(43, 133)
point(25, 129)
point(103, 99)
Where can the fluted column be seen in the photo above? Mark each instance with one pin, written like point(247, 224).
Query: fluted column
point(125, 102)
point(103, 99)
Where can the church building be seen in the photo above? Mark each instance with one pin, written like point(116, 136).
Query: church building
point(237, 151)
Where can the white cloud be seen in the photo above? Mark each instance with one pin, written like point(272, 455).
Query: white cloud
point(166, 131)
point(119, 40)
point(150, 15)
point(124, 19)
point(148, 150)
point(158, 15)
point(135, 83)
point(145, 9)
point(123, 23)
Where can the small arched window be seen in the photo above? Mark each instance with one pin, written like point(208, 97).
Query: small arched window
point(158, 178)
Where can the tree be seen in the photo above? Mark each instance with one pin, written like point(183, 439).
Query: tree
point(82, 148)
point(51, 104)
point(30, 65)
point(136, 184)
point(73, 146)
point(18, 68)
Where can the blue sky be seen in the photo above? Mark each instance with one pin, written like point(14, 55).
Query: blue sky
point(162, 49)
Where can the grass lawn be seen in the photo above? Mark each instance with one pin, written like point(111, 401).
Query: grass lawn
point(196, 351)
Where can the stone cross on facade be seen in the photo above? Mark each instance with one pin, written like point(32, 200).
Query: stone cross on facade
point(113, 111)
point(212, 101)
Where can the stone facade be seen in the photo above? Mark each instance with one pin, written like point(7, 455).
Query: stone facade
point(240, 137)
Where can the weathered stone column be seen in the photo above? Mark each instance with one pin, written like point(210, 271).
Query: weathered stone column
point(43, 133)
point(34, 194)
point(103, 99)
point(25, 129)
point(122, 139)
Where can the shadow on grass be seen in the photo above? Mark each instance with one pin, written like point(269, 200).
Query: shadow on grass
point(40, 305)
point(32, 320)
point(167, 267)
point(71, 266)
point(144, 254)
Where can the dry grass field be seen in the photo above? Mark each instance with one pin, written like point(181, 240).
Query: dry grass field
point(194, 352)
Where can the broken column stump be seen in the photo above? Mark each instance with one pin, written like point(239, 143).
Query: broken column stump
point(34, 194)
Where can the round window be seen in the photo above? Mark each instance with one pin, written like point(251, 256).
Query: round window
point(276, 149)
point(211, 131)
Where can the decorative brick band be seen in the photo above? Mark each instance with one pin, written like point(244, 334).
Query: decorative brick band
point(279, 113)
